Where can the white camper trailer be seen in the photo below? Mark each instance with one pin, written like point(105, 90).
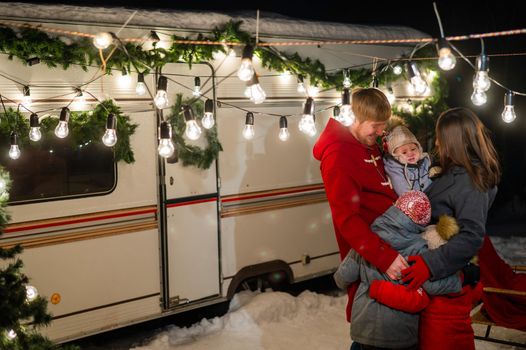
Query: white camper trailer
point(132, 242)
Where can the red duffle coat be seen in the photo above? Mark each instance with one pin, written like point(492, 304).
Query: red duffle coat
point(358, 192)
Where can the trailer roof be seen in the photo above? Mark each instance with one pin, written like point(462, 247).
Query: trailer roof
point(271, 25)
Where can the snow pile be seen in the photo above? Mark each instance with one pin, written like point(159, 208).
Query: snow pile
point(511, 249)
point(266, 321)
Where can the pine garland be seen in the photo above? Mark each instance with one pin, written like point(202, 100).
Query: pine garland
point(84, 127)
point(29, 43)
point(190, 154)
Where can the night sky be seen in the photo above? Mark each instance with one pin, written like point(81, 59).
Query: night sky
point(458, 17)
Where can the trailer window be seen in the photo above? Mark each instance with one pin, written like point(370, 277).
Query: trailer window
point(56, 169)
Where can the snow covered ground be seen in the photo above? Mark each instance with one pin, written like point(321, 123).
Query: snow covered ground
point(276, 320)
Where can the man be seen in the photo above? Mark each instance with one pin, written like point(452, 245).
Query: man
point(357, 187)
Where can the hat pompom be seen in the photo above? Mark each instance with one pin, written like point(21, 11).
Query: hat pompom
point(416, 205)
point(447, 227)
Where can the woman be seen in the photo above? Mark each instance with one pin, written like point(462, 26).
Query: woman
point(465, 190)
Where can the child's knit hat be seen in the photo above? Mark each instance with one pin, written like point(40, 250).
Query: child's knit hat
point(400, 136)
point(416, 206)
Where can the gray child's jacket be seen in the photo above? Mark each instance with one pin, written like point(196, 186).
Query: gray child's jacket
point(373, 323)
point(407, 177)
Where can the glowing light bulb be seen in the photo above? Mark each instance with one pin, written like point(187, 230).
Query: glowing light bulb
point(192, 130)
point(140, 88)
point(31, 293)
point(14, 152)
point(62, 130)
point(419, 84)
point(397, 69)
point(283, 129)
point(248, 130)
point(166, 147)
point(11, 334)
point(125, 79)
point(246, 70)
point(390, 95)
point(197, 87)
point(508, 114)
point(26, 99)
point(446, 59)
point(301, 85)
point(34, 131)
point(479, 97)
point(257, 94)
point(346, 115)
point(481, 81)
point(208, 119)
point(307, 125)
point(102, 40)
point(347, 82)
point(110, 135)
point(161, 98)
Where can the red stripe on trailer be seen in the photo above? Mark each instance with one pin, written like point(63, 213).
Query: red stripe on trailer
point(197, 201)
point(271, 194)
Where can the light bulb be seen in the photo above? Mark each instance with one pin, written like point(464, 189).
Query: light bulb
point(397, 69)
point(31, 293)
point(481, 81)
point(62, 130)
point(246, 70)
point(110, 137)
point(14, 152)
point(140, 89)
point(248, 132)
point(446, 59)
point(192, 131)
point(26, 99)
point(11, 334)
point(125, 79)
point(283, 129)
point(508, 115)
point(248, 93)
point(3, 185)
point(256, 92)
point(346, 115)
point(307, 125)
point(34, 130)
point(161, 99)
point(35, 134)
point(390, 96)
point(102, 40)
point(301, 85)
point(284, 134)
point(197, 87)
point(479, 97)
point(419, 85)
point(166, 147)
point(347, 82)
point(208, 120)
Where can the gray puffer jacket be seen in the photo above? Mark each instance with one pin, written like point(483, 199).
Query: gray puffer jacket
point(373, 323)
point(407, 177)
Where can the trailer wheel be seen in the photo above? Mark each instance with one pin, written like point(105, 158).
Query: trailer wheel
point(275, 274)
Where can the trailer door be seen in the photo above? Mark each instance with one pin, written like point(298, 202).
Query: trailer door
point(191, 267)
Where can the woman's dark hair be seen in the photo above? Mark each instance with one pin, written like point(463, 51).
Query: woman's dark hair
point(463, 140)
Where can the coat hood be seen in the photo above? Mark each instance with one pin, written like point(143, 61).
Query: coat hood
point(334, 133)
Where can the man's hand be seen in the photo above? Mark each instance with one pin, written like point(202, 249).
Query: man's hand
point(417, 274)
point(395, 270)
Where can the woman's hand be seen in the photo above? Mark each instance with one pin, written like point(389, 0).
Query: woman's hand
point(417, 273)
point(395, 270)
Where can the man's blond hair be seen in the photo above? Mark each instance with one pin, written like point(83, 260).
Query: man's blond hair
point(370, 104)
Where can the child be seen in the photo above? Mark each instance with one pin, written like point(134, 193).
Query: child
point(376, 324)
point(405, 163)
